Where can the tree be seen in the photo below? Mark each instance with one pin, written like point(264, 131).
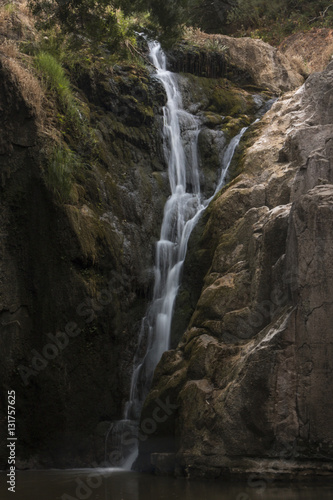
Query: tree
point(211, 15)
point(89, 18)
point(252, 13)
point(97, 19)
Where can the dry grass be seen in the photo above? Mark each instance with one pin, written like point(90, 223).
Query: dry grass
point(17, 24)
point(34, 94)
point(16, 20)
point(9, 49)
point(198, 38)
point(35, 97)
point(28, 84)
point(314, 46)
point(299, 65)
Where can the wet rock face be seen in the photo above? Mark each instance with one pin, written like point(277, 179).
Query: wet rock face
point(252, 372)
point(75, 279)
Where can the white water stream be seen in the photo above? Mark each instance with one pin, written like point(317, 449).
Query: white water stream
point(182, 211)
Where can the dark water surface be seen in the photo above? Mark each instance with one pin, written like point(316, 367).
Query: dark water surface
point(113, 484)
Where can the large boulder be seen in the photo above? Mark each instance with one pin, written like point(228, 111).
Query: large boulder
point(243, 60)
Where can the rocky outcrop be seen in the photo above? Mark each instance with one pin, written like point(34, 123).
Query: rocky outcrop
point(245, 61)
point(251, 378)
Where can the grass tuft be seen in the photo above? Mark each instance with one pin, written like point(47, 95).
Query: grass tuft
point(59, 172)
point(28, 84)
point(57, 82)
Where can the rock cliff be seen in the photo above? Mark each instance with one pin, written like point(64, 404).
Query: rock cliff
point(250, 366)
point(75, 276)
point(250, 380)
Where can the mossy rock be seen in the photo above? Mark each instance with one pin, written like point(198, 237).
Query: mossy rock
point(218, 101)
point(226, 101)
point(248, 139)
point(232, 125)
point(211, 120)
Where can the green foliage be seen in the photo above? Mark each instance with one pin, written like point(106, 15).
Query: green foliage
point(112, 22)
point(266, 19)
point(93, 19)
point(210, 15)
point(58, 83)
point(253, 12)
point(55, 77)
point(169, 17)
point(58, 174)
point(9, 7)
point(272, 21)
point(80, 40)
point(125, 27)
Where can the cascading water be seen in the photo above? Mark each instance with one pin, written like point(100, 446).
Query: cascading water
point(184, 203)
point(181, 212)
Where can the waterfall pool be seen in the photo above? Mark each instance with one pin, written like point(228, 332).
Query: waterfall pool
point(116, 484)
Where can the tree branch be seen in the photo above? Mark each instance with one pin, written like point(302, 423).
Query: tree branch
point(321, 15)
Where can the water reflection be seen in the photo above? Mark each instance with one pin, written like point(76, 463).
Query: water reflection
point(116, 484)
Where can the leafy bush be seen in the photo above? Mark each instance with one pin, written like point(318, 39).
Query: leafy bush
point(266, 19)
point(91, 18)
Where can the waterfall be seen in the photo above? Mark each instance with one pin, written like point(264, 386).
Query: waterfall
point(181, 212)
point(227, 157)
point(184, 203)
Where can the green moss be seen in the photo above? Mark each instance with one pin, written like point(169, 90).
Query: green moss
point(219, 96)
point(238, 161)
point(160, 179)
point(146, 111)
point(211, 119)
point(231, 125)
point(225, 102)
